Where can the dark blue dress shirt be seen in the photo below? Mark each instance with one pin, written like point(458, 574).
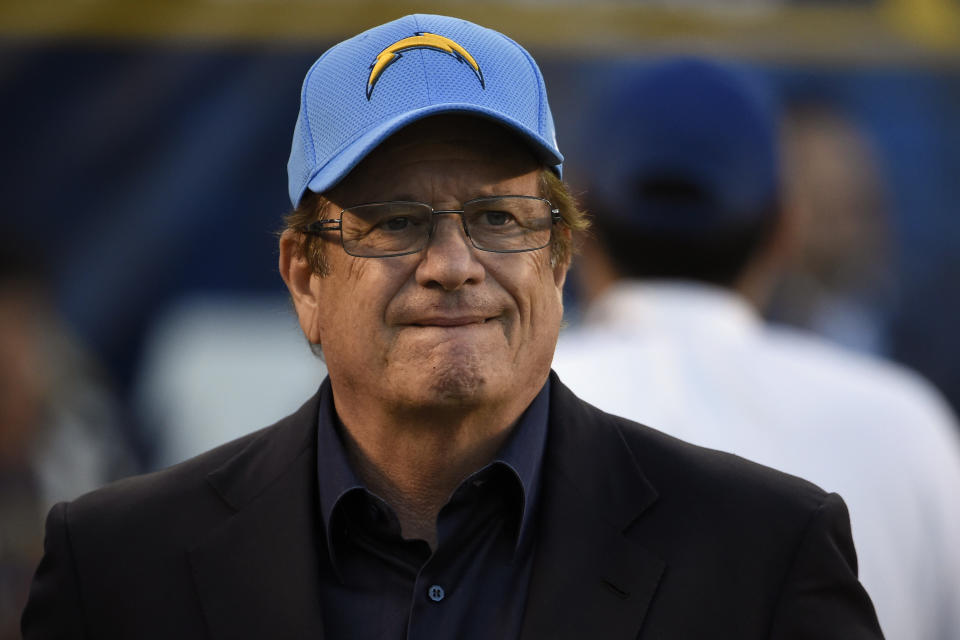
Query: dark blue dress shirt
point(473, 585)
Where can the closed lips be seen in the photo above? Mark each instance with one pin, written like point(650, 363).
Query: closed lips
point(449, 321)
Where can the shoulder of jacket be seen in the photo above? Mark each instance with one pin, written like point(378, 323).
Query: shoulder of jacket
point(170, 495)
point(677, 466)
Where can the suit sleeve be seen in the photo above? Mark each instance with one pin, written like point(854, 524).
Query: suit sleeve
point(821, 597)
point(54, 609)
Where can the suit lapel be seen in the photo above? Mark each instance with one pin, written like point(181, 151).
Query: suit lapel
point(589, 579)
point(257, 574)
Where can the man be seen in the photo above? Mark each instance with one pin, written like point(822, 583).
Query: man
point(689, 234)
point(442, 484)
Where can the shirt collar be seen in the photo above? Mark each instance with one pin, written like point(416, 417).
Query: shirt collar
point(335, 476)
point(672, 306)
point(522, 453)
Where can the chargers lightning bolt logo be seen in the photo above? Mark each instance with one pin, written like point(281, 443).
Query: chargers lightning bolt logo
point(421, 40)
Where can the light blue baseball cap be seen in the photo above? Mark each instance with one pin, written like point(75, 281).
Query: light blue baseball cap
point(366, 88)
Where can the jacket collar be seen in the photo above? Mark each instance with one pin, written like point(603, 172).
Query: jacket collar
point(257, 573)
point(589, 578)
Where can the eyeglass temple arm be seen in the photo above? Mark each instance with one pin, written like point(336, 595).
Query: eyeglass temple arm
point(319, 226)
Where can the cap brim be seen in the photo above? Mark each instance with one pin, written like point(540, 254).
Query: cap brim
point(345, 159)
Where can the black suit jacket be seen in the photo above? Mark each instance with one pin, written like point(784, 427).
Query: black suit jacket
point(639, 535)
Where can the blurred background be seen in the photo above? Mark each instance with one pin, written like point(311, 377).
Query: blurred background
point(143, 149)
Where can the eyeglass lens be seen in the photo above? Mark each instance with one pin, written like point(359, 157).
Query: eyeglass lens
point(504, 224)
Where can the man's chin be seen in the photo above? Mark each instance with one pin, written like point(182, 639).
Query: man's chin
point(460, 372)
point(457, 380)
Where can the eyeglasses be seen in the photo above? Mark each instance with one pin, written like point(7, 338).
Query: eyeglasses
point(501, 224)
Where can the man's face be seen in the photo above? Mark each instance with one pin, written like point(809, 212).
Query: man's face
point(452, 325)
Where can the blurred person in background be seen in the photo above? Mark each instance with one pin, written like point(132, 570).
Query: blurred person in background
point(690, 234)
point(839, 279)
point(58, 435)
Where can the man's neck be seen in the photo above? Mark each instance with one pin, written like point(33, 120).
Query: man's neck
point(416, 463)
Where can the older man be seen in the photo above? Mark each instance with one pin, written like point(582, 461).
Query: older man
point(442, 484)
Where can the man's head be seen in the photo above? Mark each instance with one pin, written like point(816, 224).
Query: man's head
point(366, 88)
point(685, 182)
point(420, 308)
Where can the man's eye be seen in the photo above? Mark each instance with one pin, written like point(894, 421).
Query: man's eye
point(398, 223)
point(496, 218)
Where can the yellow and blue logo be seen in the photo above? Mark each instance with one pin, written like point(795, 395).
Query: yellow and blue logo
point(422, 40)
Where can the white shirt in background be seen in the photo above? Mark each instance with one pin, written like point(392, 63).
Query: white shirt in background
point(696, 362)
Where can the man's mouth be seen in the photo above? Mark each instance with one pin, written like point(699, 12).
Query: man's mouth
point(450, 321)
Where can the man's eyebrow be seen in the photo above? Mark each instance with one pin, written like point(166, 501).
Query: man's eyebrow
point(494, 193)
point(485, 192)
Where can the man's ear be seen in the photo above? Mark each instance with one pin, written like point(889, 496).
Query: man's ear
point(561, 267)
point(596, 271)
point(300, 280)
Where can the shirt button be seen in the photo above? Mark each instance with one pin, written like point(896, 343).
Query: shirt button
point(436, 593)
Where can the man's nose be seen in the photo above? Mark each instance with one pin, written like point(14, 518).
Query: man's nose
point(449, 261)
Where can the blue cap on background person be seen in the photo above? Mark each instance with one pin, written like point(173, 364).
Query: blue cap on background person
point(366, 88)
point(684, 146)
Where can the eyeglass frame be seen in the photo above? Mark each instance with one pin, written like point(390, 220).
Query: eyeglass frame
point(317, 227)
